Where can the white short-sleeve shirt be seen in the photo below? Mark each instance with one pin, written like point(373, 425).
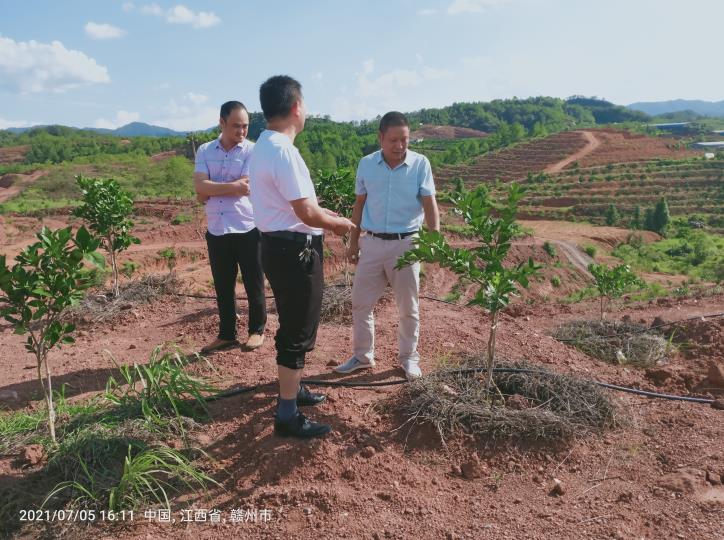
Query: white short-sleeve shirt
point(278, 175)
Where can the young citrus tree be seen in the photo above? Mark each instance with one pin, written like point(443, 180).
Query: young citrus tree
point(48, 277)
point(612, 282)
point(336, 191)
point(106, 207)
point(495, 227)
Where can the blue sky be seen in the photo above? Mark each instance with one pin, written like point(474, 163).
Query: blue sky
point(105, 63)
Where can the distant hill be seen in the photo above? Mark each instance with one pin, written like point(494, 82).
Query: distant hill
point(140, 129)
point(134, 129)
point(656, 108)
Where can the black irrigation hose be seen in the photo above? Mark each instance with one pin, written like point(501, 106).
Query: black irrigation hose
point(315, 382)
point(210, 297)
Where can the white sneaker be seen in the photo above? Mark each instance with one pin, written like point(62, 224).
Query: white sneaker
point(412, 369)
point(353, 364)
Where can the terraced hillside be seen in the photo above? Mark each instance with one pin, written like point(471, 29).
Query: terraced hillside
point(589, 147)
point(516, 162)
point(691, 186)
point(618, 146)
point(13, 154)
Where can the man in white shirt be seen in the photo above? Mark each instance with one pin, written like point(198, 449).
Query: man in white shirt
point(221, 179)
point(291, 223)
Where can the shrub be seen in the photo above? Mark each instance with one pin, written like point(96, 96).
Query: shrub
point(590, 251)
point(47, 278)
point(549, 248)
point(106, 208)
point(495, 227)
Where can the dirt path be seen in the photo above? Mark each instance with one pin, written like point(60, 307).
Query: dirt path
point(591, 145)
point(577, 258)
point(20, 182)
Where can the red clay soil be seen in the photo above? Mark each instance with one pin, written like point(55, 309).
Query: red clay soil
point(516, 162)
point(622, 146)
point(12, 184)
point(592, 142)
point(373, 477)
point(13, 154)
point(446, 132)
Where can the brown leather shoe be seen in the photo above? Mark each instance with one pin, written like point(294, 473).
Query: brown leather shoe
point(254, 342)
point(219, 345)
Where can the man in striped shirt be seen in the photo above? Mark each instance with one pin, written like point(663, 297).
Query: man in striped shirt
point(221, 179)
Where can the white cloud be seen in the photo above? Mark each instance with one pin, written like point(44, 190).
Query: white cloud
point(5, 124)
point(352, 109)
point(30, 67)
point(188, 114)
point(196, 99)
point(128, 6)
point(427, 12)
point(472, 6)
point(152, 9)
point(121, 119)
point(388, 84)
point(180, 14)
point(376, 93)
point(102, 31)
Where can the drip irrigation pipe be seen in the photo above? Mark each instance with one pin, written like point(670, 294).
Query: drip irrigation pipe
point(316, 382)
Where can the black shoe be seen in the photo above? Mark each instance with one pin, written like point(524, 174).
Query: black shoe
point(300, 427)
point(306, 398)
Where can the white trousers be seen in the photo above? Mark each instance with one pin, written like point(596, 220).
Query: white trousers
point(375, 269)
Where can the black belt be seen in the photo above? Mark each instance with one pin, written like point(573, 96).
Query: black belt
point(391, 236)
point(292, 236)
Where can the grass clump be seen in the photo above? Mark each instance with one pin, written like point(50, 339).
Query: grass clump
point(99, 308)
point(113, 450)
point(537, 406)
point(336, 304)
point(616, 342)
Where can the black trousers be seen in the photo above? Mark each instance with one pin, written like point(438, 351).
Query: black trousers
point(229, 253)
point(297, 286)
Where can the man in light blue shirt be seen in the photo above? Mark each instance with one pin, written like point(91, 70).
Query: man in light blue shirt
point(221, 179)
point(395, 192)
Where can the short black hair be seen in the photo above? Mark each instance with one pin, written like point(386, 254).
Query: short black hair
point(278, 95)
point(229, 106)
point(393, 118)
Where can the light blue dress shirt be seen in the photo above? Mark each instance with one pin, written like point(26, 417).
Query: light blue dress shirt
point(226, 214)
point(394, 196)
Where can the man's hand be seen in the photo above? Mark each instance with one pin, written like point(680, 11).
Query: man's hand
point(202, 198)
point(240, 187)
point(353, 252)
point(342, 226)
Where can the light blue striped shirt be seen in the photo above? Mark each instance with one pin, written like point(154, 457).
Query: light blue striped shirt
point(226, 214)
point(394, 196)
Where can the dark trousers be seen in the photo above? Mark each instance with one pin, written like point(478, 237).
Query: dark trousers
point(229, 253)
point(297, 286)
